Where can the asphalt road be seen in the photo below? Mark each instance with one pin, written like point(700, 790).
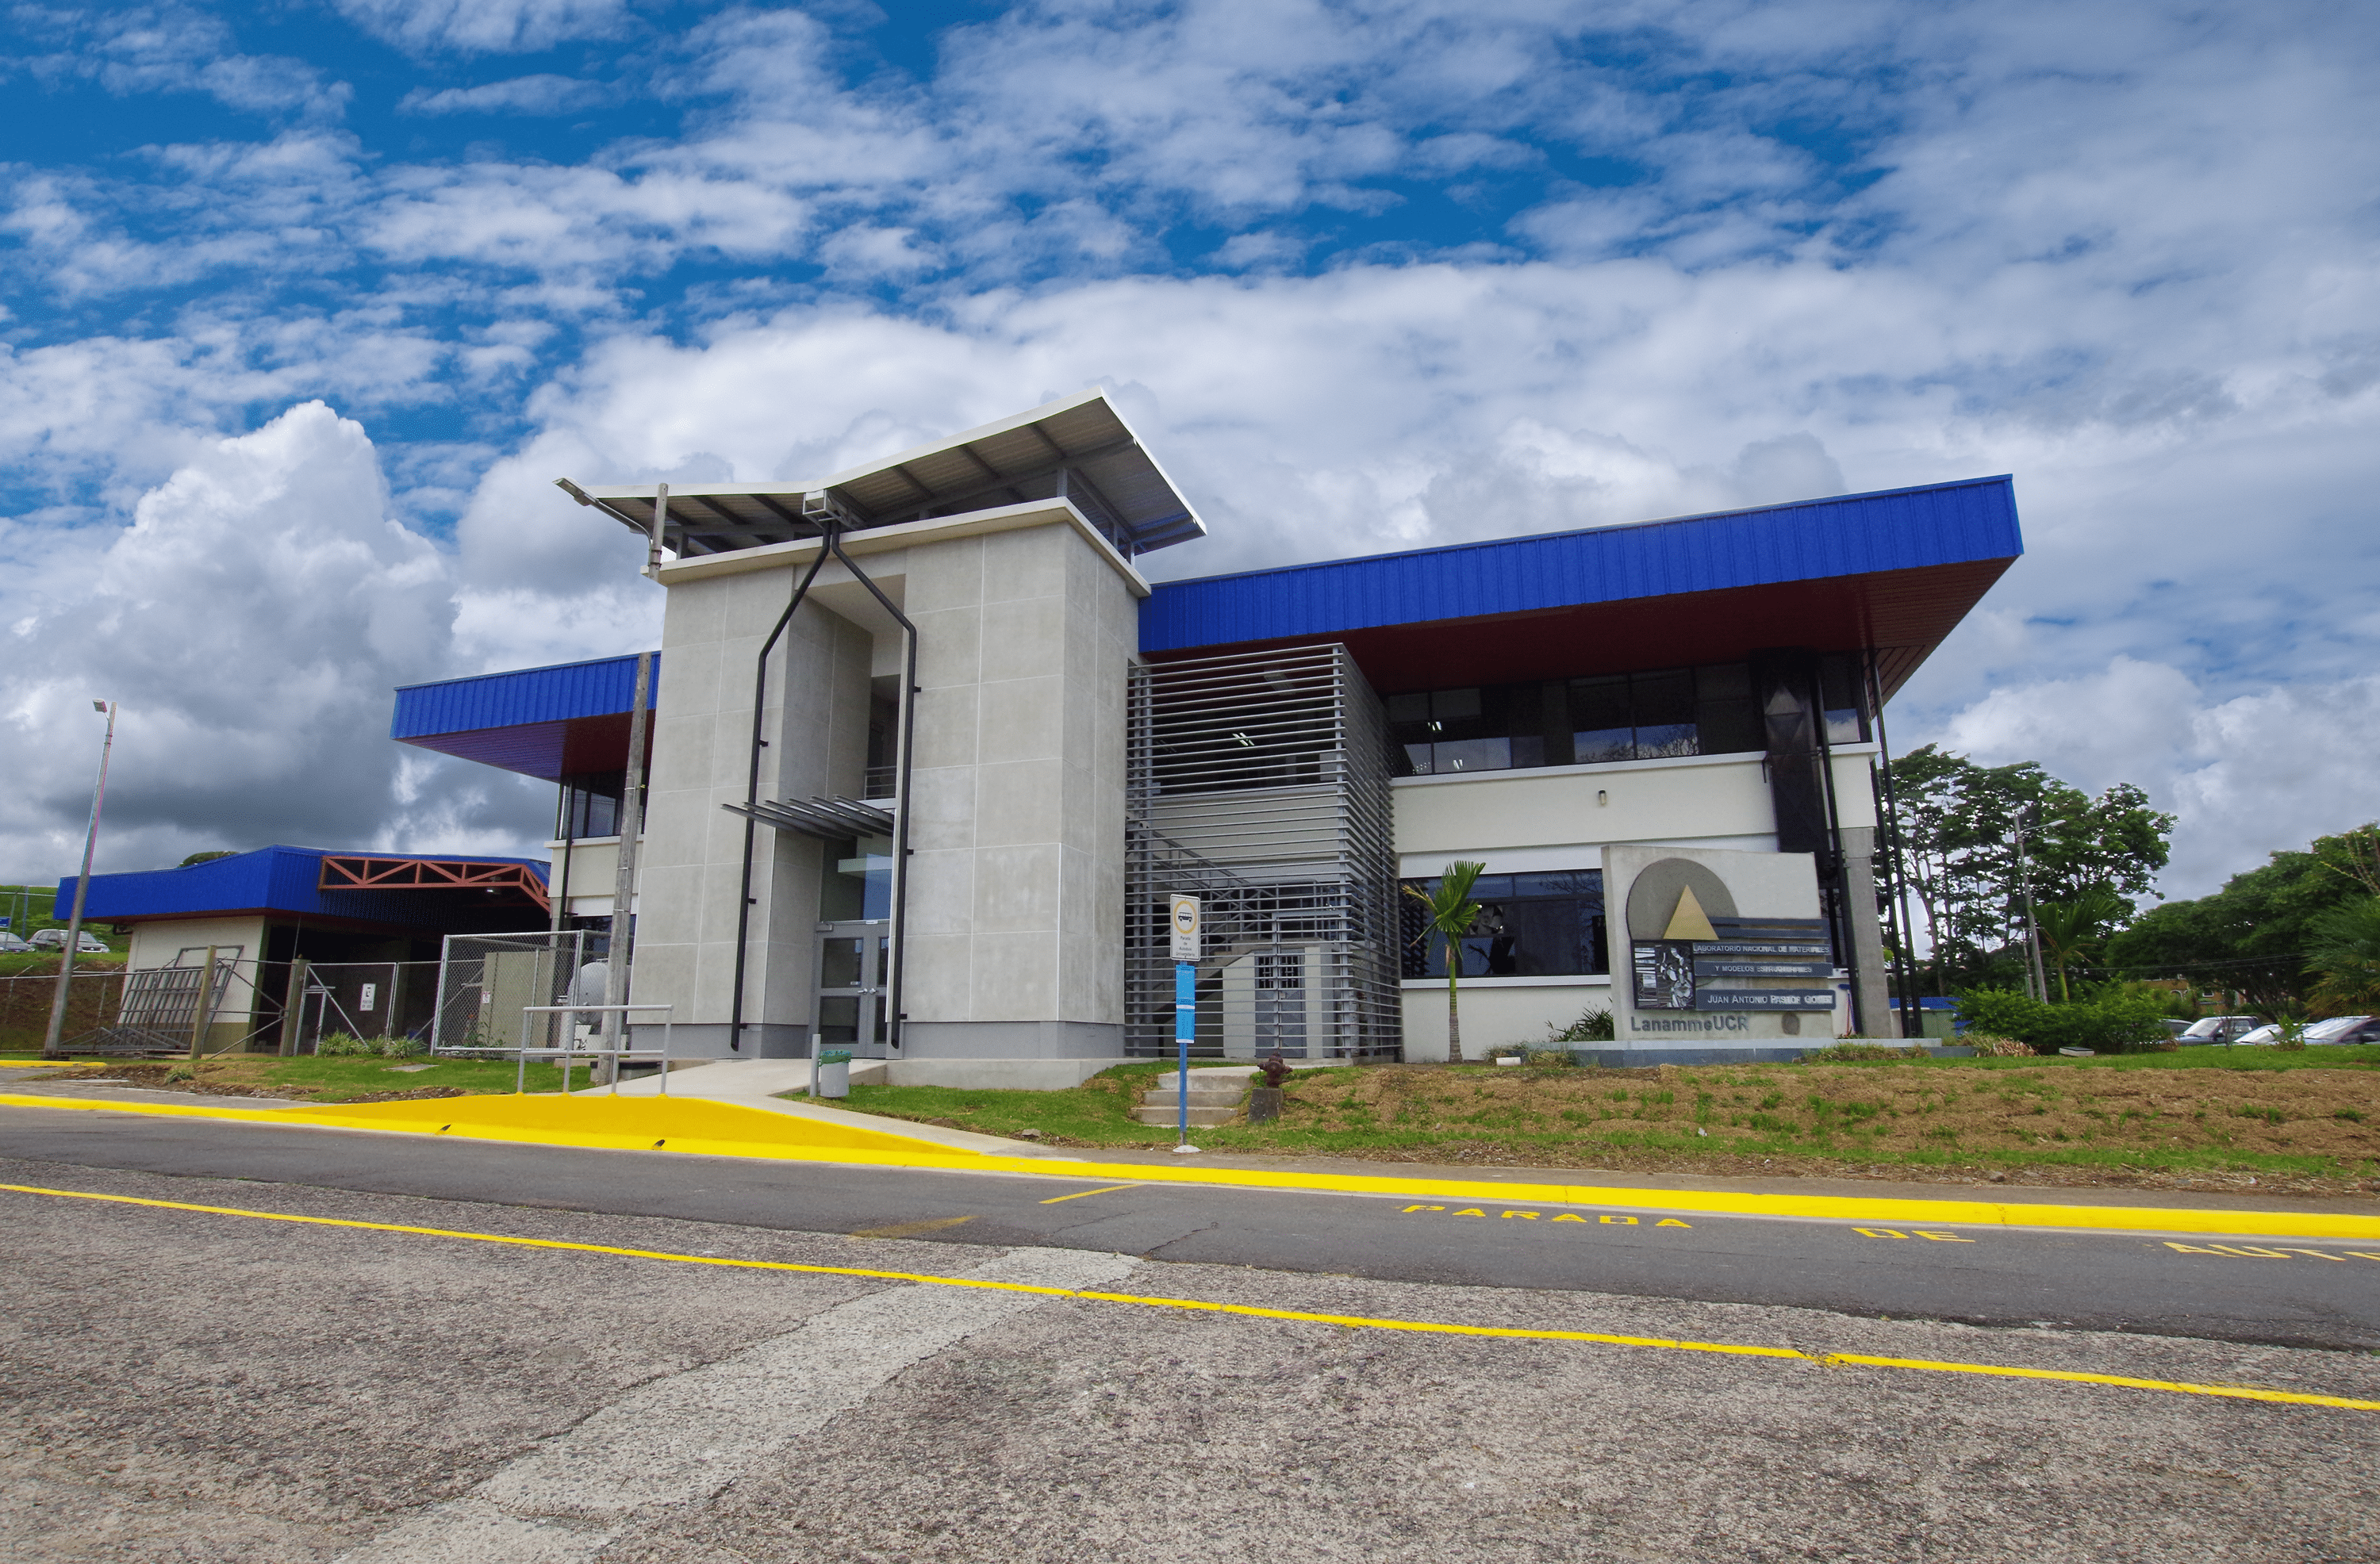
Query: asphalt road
point(2314, 1294)
point(184, 1386)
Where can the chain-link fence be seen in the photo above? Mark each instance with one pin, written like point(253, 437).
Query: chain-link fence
point(247, 1008)
point(486, 981)
point(94, 999)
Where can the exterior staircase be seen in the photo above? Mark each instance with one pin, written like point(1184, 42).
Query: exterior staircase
point(1216, 1096)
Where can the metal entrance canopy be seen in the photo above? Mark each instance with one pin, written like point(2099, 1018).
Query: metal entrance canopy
point(1077, 449)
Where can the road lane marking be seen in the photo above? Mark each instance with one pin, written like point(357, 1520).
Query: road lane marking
point(1921, 1233)
point(1356, 1322)
point(1080, 1193)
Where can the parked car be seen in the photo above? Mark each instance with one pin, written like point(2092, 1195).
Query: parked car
point(10, 945)
point(89, 944)
point(2221, 1029)
point(2338, 1029)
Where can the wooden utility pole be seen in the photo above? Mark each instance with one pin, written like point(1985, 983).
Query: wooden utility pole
point(293, 1007)
point(201, 1011)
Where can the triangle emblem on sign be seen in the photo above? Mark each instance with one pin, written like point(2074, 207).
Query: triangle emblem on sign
point(1688, 922)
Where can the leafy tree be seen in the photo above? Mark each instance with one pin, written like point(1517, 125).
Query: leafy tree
point(203, 858)
point(2346, 951)
point(2256, 934)
point(1449, 914)
point(1958, 836)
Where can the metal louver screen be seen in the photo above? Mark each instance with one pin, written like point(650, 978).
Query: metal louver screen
point(1258, 782)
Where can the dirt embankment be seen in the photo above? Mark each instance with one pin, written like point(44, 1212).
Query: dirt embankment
point(1827, 1119)
point(217, 1081)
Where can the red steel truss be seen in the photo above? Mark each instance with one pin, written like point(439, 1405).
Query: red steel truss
point(510, 884)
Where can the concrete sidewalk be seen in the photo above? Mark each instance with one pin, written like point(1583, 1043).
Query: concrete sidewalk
point(755, 1082)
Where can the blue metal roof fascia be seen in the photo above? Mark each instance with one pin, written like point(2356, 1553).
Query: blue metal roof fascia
point(598, 688)
point(272, 878)
point(1845, 535)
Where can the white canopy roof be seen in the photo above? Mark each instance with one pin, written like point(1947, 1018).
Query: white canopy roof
point(1078, 449)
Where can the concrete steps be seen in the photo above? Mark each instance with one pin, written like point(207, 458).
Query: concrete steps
point(1211, 1102)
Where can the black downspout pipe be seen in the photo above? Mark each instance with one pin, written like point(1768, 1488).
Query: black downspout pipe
point(1837, 873)
point(752, 782)
point(895, 963)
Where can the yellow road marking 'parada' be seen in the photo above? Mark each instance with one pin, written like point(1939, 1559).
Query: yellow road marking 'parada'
point(1358, 1322)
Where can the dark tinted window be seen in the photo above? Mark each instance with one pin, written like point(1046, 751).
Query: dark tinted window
point(1529, 926)
point(1671, 713)
point(1842, 689)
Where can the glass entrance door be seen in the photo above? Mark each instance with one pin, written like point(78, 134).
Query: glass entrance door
point(850, 1010)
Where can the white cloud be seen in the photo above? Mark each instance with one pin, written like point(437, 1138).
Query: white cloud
point(251, 620)
point(2246, 776)
point(521, 94)
point(173, 48)
point(485, 26)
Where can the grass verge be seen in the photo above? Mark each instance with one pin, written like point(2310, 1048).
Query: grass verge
point(2287, 1122)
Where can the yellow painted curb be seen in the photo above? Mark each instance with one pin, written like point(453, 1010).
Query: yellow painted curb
point(716, 1129)
point(609, 1123)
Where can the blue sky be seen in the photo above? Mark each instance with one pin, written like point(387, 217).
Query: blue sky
point(308, 303)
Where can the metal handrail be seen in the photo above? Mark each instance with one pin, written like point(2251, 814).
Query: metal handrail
point(520, 1080)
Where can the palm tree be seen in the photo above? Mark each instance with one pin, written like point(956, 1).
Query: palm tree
point(1451, 912)
point(2346, 951)
point(2070, 930)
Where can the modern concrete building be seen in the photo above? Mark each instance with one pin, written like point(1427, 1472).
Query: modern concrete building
point(928, 752)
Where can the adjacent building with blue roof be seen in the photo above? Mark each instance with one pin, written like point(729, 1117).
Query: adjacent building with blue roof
point(372, 926)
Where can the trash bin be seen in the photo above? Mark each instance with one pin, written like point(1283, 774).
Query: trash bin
point(832, 1073)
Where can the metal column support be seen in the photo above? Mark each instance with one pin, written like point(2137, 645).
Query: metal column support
point(624, 879)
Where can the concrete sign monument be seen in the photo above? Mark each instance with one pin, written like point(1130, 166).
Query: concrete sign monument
point(1716, 949)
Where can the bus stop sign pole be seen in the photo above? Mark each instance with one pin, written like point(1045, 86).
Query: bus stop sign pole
point(1182, 917)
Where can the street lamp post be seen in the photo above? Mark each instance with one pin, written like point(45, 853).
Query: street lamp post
point(50, 1044)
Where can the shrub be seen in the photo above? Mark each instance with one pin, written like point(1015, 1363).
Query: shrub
point(1551, 1058)
point(2108, 1023)
point(1591, 1026)
point(1998, 1048)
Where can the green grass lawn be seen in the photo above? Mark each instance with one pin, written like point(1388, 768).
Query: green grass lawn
point(45, 964)
point(2077, 1115)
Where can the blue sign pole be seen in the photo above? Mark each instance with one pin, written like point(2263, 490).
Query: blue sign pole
point(1185, 1025)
